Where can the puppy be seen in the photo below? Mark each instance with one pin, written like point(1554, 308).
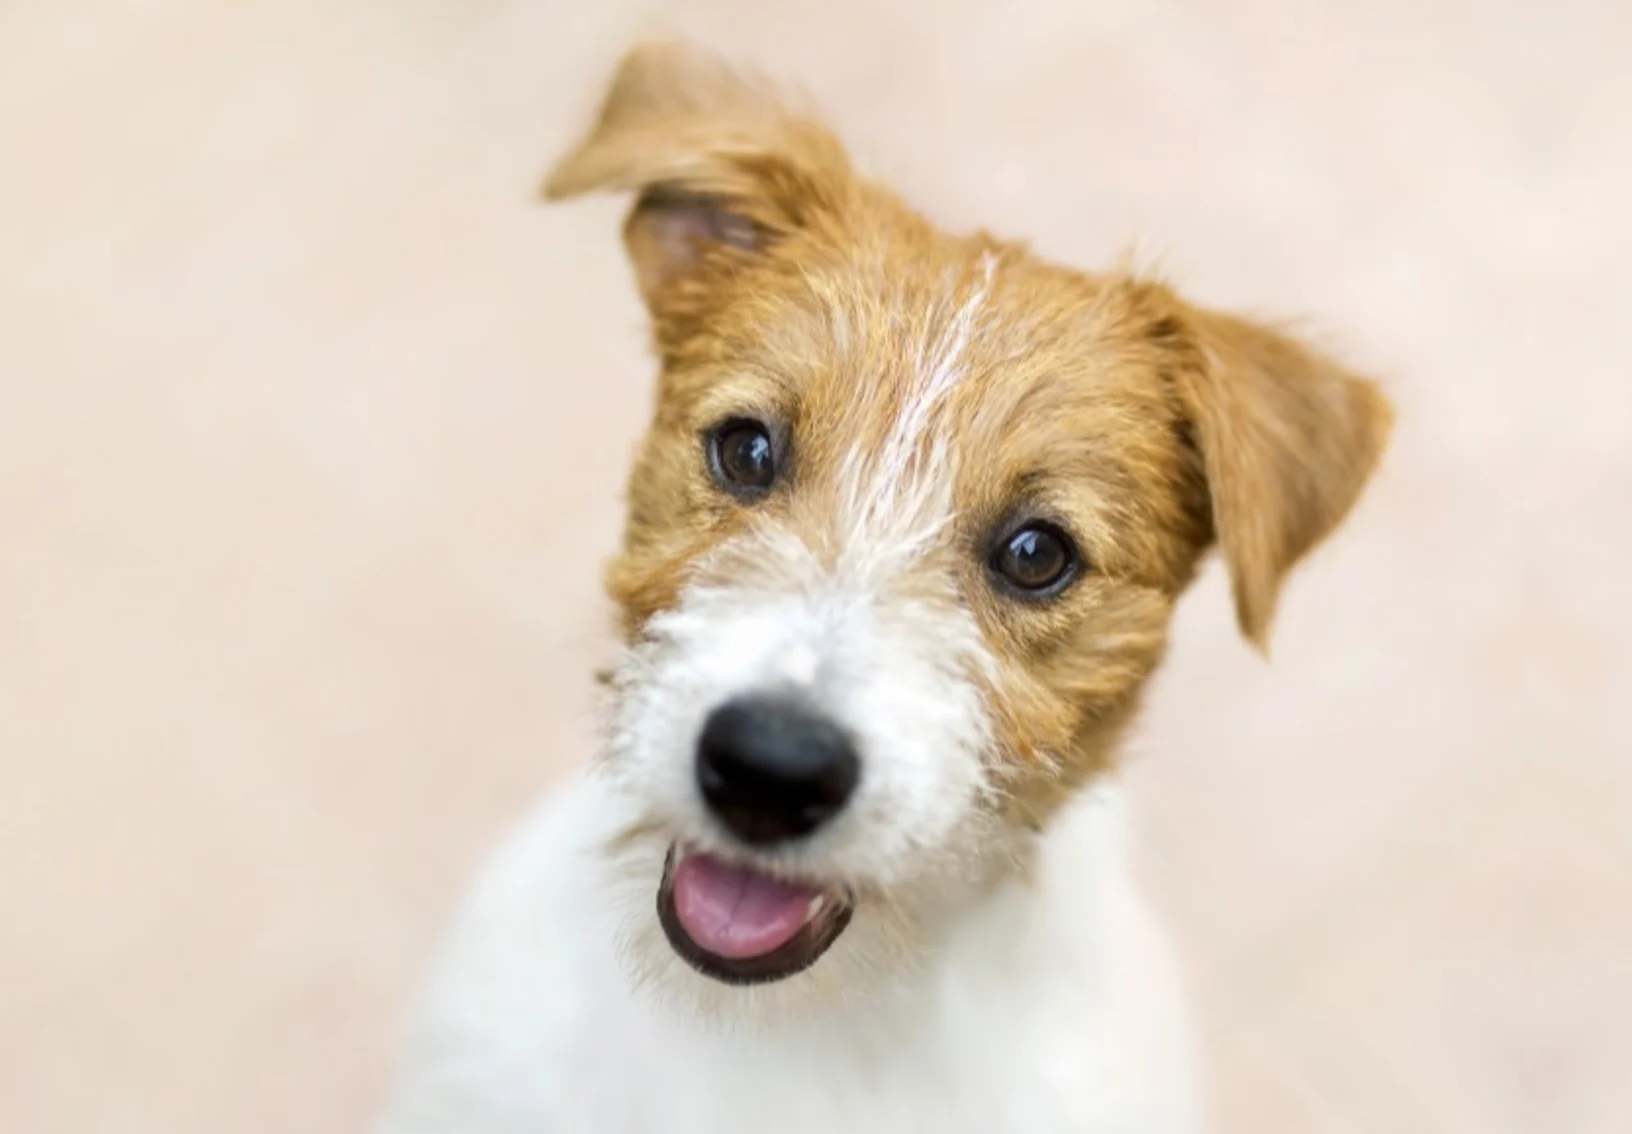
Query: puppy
point(903, 543)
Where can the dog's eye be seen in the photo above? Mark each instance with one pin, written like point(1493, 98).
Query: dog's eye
point(743, 457)
point(1036, 559)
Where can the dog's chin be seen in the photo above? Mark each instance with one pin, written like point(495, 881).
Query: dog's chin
point(742, 926)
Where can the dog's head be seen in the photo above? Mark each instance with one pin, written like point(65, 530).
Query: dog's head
point(908, 527)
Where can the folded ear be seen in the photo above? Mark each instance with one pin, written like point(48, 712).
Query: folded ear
point(721, 167)
point(1288, 439)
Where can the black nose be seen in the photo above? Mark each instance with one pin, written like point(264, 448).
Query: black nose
point(772, 769)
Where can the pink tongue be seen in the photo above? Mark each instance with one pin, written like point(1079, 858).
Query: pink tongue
point(734, 912)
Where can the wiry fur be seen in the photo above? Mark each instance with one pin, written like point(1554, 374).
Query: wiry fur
point(928, 392)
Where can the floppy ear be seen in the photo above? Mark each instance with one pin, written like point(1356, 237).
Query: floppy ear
point(1288, 439)
point(720, 166)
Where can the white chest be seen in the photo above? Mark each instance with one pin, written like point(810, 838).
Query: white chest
point(1054, 1011)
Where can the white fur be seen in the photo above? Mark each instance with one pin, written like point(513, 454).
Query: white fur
point(1045, 1005)
point(895, 672)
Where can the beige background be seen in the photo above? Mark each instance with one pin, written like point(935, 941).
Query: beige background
point(312, 428)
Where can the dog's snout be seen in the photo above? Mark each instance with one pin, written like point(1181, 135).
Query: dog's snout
point(773, 769)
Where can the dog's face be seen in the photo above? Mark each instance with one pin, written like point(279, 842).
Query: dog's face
point(907, 530)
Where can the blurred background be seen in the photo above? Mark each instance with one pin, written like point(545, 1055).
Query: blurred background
point(313, 428)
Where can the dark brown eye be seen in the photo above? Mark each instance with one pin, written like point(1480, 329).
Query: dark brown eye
point(1036, 560)
point(743, 456)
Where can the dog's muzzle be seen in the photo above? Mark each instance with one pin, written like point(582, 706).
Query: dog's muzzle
point(772, 771)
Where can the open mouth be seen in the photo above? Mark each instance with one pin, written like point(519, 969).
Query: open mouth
point(741, 926)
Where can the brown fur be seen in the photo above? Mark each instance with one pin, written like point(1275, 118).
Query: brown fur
point(784, 286)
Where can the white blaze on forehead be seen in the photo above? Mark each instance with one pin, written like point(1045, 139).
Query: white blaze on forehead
point(897, 500)
point(939, 370)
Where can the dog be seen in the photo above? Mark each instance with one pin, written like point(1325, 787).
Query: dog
point(903, 541)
